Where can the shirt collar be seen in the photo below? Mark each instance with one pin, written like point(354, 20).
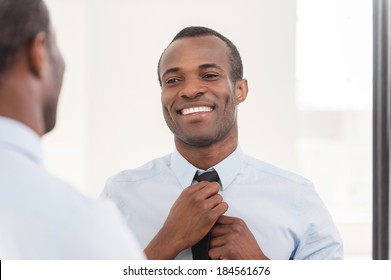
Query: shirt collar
point(227, 168)
point(20, 138)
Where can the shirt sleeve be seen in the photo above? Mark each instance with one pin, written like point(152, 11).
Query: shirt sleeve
point(99, 232)
point(320, 238)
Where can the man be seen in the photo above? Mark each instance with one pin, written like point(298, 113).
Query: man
point(255, 210)
point(42, 217)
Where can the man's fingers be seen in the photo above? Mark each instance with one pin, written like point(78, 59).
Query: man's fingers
point(210, 189)
point(196, 187)
point(225, 225)
point(206, 189)
point(217, 253)
point(227, 220)
point(220, 230)
point(219, 210)
point(217, 242)
point(215, 200)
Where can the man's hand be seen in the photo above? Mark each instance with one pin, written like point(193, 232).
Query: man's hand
point(191, 217)
point(232, 240)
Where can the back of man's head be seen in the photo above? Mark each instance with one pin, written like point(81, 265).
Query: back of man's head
point(31, 65)
point(20, 22)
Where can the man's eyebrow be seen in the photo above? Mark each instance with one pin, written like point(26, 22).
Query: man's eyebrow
point(202, 66)
point(171, 70)
point(210, 65)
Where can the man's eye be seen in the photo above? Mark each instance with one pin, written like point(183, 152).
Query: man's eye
point(210, 76)
point(172, 81)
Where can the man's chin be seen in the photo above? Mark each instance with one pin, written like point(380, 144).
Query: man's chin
point(198, 141)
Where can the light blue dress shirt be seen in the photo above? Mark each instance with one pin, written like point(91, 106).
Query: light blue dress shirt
point(42, 217)
point(282, 210)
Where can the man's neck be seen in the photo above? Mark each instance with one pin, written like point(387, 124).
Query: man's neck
point(208, 156)
point(22, 106)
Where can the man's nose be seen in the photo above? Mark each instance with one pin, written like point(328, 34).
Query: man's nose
point(192, 89)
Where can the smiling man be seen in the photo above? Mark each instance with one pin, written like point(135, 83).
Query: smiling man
point(250, 209)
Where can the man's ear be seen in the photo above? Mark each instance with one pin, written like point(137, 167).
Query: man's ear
point(37, 54)
point(241, 90)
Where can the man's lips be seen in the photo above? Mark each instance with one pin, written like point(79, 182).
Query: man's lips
point(196, 109)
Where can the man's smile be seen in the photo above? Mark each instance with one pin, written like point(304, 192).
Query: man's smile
point(193, 110)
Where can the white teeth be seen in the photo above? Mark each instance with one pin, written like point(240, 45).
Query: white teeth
point(202, 109)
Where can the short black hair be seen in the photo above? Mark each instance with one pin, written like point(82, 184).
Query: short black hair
point(20, 22)
point(196, 31)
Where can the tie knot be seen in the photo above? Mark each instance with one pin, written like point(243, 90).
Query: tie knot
point(210, 176)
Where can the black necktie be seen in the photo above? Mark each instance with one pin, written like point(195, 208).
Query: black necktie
point(201, 249)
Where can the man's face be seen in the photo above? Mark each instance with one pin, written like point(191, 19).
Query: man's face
point(198, 97)
point(54, 77)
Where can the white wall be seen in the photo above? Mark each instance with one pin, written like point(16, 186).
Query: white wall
point(65, 147)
